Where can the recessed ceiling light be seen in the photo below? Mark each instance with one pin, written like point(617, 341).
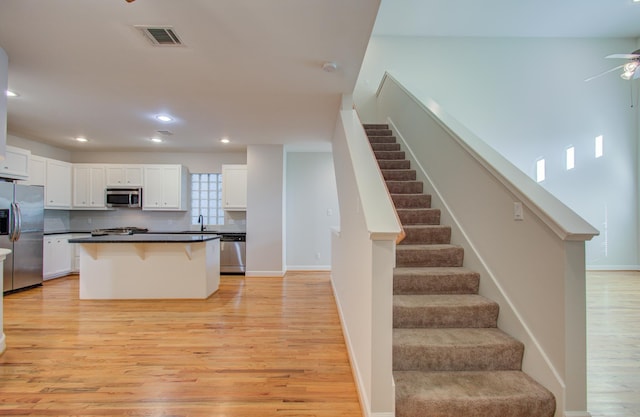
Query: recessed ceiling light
point(156, 140)
point(225, 140)
point(164, 118)
point(81, 139)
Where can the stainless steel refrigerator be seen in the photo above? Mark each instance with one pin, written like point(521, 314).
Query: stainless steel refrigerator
point(21, 231)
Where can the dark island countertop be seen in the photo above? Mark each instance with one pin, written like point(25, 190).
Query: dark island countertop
point(147, 238)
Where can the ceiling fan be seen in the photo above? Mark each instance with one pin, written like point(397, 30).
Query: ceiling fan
point(631, 69)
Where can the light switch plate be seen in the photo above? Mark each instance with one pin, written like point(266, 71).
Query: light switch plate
point(517, 211)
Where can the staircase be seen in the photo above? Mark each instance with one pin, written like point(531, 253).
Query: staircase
point(449, 357)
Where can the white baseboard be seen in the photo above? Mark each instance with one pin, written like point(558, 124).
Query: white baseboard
point(576, 414)
point(613, 267)
point(276, 274)
point(308, 267)
point(3, 344)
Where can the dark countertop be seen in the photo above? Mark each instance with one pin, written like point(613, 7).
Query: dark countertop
point(147, 238)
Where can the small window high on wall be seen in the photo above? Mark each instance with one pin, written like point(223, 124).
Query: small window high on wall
point(540, 170)
point(599, 145)
point(570, 157)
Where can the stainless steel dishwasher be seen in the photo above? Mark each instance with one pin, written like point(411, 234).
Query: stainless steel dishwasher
point(232, 253)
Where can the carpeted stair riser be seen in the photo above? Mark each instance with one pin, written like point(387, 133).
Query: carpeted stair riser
point(429, 255)
point(426, 235)
point(419, 216)
point(444, 311)
point(435, 280)
point(399, 174)
point(394, 164)
point(389, 155)
point(412, 201)
point(382, 139)
point(378, 132)
point(404, 187)
point(477, 394)
point(431, 350)
point(385, 146)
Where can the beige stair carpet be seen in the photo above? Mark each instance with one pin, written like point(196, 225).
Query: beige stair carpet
point(449, 357)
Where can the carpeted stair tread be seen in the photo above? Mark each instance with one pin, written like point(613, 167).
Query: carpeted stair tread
point(429, 255)
point(435, 280)
point(404, 187)
point(399, 174)
point(394, 164)
point(417, 216)
point(389, 155)
point(473, 393)
point(427, 234)
point(375, 126)
point(455, 350)
point(385, 146)
point(440, 311)
point(411, 201)
point(378, 132)
point(382, 139)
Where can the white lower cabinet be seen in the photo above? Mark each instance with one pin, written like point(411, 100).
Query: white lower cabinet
point(75, 252)
point(56, 256)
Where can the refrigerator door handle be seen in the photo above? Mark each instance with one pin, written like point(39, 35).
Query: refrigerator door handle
point(18, 229)
point(16, 222)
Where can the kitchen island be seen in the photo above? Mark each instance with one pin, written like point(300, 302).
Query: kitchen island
point(141, 266)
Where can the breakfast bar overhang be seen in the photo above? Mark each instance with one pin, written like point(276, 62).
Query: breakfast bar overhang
point(142, 266)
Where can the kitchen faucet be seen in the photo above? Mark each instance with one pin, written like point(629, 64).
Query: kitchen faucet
point(201, 223)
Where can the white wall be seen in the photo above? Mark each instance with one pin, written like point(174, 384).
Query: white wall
point(38, 148)
point(312, 210)
point(4, 81)
point(527, 99)
point(265, 210)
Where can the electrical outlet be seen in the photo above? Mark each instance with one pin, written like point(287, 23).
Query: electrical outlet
point(318, 255)
point(517, 211)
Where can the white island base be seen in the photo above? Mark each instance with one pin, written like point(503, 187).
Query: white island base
point(141, 270)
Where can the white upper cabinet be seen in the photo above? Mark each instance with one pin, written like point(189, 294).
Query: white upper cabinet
point(165, 187)
point(124, 175)
point(234, 187)
point(88, 186)
point(15, 164)
point(57, 188)
point(37, 170)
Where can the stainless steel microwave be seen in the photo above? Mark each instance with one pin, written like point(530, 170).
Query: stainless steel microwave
point(124, 197)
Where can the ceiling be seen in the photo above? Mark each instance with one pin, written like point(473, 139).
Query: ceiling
point(248, 70)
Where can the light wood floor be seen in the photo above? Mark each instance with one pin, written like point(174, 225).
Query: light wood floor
point(613, 343)
point(258, 347)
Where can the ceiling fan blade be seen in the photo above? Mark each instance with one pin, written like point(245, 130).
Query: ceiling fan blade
point(603, 73)
point(623, 56)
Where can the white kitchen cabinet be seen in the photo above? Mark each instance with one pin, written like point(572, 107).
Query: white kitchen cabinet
point(57, 188)
point(88, 186)
point(124, 175)
point(234, 187)
point(56, 256)
point(75, 252)
point(37, 170)
point(15, 164)
point(165, 187)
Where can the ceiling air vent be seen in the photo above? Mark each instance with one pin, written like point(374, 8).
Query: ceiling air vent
point(161, 36)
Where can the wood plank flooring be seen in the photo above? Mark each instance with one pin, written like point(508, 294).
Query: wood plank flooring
point(613, 343)
point(258, 347)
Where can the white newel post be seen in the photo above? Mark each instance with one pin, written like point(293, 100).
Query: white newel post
point(3, 344)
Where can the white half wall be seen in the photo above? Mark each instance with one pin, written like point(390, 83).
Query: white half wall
point(312, 210)
point(527, 98)
point(265, 210)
